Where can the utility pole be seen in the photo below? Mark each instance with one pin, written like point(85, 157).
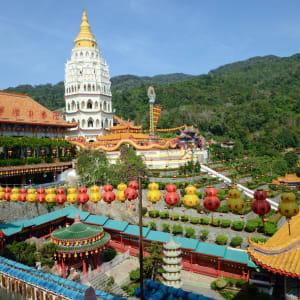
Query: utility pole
point(141, 238)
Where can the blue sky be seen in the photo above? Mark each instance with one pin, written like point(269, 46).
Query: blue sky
point(143, 37)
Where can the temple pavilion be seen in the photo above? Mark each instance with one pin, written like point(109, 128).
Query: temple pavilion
point(79, 245)
point(280, 258)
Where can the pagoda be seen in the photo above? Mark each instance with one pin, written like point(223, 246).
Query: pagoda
point(189, 136)
point(172, 259)
point(77, 243)
point(87, 86)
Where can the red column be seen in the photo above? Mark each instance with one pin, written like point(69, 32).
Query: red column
point(122, 245)
point(84, 266)
point(50, 228)
point(63, 268)
point(219, 267)
point(98, 262)
point(191, 264)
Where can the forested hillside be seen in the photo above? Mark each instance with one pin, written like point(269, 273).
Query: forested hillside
point(256, 102)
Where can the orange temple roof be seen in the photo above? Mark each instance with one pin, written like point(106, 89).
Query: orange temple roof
point(21, 109)
point(122, 135)
point(288, 178)
point(281, 253)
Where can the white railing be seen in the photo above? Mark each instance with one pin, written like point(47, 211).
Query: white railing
point(247, 192)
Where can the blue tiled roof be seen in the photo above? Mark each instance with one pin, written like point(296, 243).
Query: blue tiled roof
point(135, 230)
point(186, 242)
point(158, 236)
point(210, 249)
point(99, 220)
point(115, 225)
point(238, 256)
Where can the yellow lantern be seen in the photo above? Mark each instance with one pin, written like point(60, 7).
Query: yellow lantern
point(50, 198)
point(72, 198)
point(190, 200)
point(14, 197)
point(288, 207)
point(95, 197)
point(71, 190)
point(75, 255)
point(95, 189)
point(14, 190)
point(31, 191)
point(121, 195)
point(153, 186)
point(1, 189)
point(121, 187)
point(1, 193)
point(190, 190)
point(31, 197)
point(153, 196)
point(235, 203)
point(50, 191)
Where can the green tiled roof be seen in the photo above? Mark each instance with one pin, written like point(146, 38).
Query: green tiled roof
point(115, 225)
point(100, 220)
point(135, 230)
point(158, 236)
point(210, 249)
point(240, 256)
point(186, 242)
point(83, 247)
point(11, 228)
point(77, 231)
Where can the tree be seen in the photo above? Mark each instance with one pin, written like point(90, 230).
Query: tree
point(280, 167)
point(291, 158)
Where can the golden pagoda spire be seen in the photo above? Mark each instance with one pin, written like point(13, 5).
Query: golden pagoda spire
point(85, 38)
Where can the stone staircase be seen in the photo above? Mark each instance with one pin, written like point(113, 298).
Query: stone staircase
point(99, 281)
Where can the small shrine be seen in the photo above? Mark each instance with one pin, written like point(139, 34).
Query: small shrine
point(172, 259)
point(79, 245)
point(189, 136)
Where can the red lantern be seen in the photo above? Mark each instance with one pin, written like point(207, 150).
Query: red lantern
point(109, 197)
point(40, 198)
point(211, 191)
point(82, 198)
point(61, 198)
point(260, 206)
point(108, 188)
point(9, 152)
point(172, 198)
point(211, 203)
point(54, 151)
point(60, 191)
point(82, 190)
point(7, 190)
point(6, 196)
point(171, 187)
point(39, 190)
point(133, 184)
point(130, 194)
point(42, 151)
point(22, 197)
point(28, 152)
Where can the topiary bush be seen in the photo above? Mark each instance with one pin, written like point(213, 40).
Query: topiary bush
point(184, 218)
point(221, 283)
point(204, 234)
point(221, 239)
point(236, 241)
point(204, 220)
point(194, 220)
point(215, 222)
point(222, 209)
point(270, 228)
point(144, 210)
point(190, 232)
point(250, 226)
point(175, 217)
point(257, 239)
point(225, 223)
point(164, 215)
point(166, 227)
point(238, 225)
point(177, 229)
point(152, 225)
point(33, 160)
point(154, 214)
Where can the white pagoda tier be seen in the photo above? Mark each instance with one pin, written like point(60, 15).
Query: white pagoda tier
point(172, 259)
point(87, 86)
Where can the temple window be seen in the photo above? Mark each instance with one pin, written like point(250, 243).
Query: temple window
point(89, 104)
point(90, 123)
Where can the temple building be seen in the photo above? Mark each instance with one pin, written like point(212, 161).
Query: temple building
point(289, 179)
point(87, 86)
point(279, 259)
point(20, 116)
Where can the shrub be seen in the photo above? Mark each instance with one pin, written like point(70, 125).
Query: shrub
point(213, 285)
point(144, 210)
point(231, 281)
point(152, 225)
point(177, 229)
point(215, 222)
point(164, 215)
point(190, 232)
point(225, 223)
point(204, 220)
point(175, 217)
point(48, 160)
point(236, 241)
point(257, 239)
point(11, 162)
point(238, 225)
point(154, 214)
point(240, 282)
point(204, 234)
point(221, 239)
point(184, 218)
point(109, 254)
point(64, 158)
point(166, 227)
point(221, 283)
point(194, 220)
point(250, 226)
point(134, 275)
point(33, 160)
point(269, 229)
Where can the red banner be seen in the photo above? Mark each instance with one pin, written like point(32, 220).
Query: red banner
point(156, 113)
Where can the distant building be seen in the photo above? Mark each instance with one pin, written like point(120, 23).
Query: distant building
point(289, 179)
point(21, 116)
point(87, 86)
point(227, 144)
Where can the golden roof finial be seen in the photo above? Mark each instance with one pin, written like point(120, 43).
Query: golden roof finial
point(85, 38)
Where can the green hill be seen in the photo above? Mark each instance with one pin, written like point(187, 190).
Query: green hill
point(256, 102)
